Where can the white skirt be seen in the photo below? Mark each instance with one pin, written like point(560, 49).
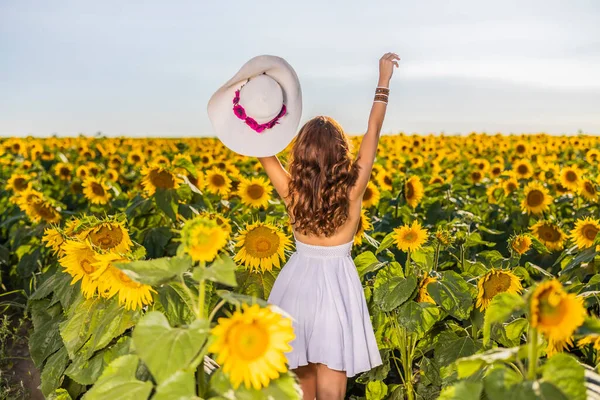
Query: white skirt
point(321, 290)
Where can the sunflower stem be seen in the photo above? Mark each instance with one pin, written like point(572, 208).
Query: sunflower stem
point(201, 294)
point(216, 309)
point(408, 268)
point(436, 259)
point(533, 354)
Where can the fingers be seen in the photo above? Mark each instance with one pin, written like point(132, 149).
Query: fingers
point(390, 56)
point(395, 63)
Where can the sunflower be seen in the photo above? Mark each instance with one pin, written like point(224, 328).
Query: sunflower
point(115, 161)
point(254, 192)
point(136, 157)
point(18, 183)
point(537, 199)
point(493, 282)
point(494, 193)
point(261, 246)
point(364, 224)
point(54, 239)
point(410, 237)
point(206, 160)
point(521, 148)
point(109, 236)
point(591, 339)
point(593, 156)
point(570, 177)
point(585, 232)
point(96, 190)
point(158, 176)
point(588, 190)
point(423, 295)
point(436, 180)
point(82, 172)
point(523, 169)
point(111, 280)
point(78, 261)
point(521, 243)
point(217, 182)
point(443, 236)
point(413, 191)
point(549, 234)
point(199, 180)
point(496, 169)
point(371, 196)
point(385, 180)
point(556, 314)
point(37, 207)
point(203, 238)
point(161, 160)
point(63, 171)
point(476, 176)
point(112, 175)
point(250, 345)
point(481, 164)
point(510, 185)
point(222, 221)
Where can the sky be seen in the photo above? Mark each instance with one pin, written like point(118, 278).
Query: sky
point(148, 68)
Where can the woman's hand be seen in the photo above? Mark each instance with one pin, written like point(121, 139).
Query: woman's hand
point(386, 68)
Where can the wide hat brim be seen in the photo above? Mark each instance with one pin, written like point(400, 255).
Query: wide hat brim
point(239, 137)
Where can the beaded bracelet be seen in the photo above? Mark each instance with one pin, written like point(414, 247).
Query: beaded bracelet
point(382, 90)
point(381, 98)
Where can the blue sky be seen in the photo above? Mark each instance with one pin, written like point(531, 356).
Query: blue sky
point(148, 68)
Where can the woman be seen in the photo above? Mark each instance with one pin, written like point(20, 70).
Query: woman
point(319, 285)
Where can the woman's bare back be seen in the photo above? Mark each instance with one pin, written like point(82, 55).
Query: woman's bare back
point(344, 233)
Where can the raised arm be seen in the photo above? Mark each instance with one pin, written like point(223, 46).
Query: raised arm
point(277, 174)
point(368, 146)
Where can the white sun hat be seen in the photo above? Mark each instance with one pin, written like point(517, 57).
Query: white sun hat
point(257, 112)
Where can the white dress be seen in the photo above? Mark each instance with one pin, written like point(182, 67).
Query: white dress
point(320, 288)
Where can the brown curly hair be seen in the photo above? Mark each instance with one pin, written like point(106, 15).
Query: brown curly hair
point(322, 173)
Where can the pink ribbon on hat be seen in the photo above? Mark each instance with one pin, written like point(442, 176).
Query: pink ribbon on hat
point(239, 111)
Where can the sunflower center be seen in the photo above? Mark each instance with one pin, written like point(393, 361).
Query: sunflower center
point(589, 188)
point(571, 176)
point(261, 242)
point(64, 171)
point(549, 233)
point(410, 236)
point(250, 341)
point(44, 211)
point(20, 183)
point(368, 194)
point(218, 180)
point(496, 171)
point(523, 169)
point(589, 231)
point(476, 175)
point(520, 149)
point(511, 186)
point(162, 179)
point(87, 267)
point(97, 189)
point(551, 308)
point(135, 158)
point(106, 238)
point(496, 283)
point(535, 198)
point(410, 190)
point(255, 191)
point(387, 180)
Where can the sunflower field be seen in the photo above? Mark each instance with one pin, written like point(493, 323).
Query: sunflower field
point(144, 266)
